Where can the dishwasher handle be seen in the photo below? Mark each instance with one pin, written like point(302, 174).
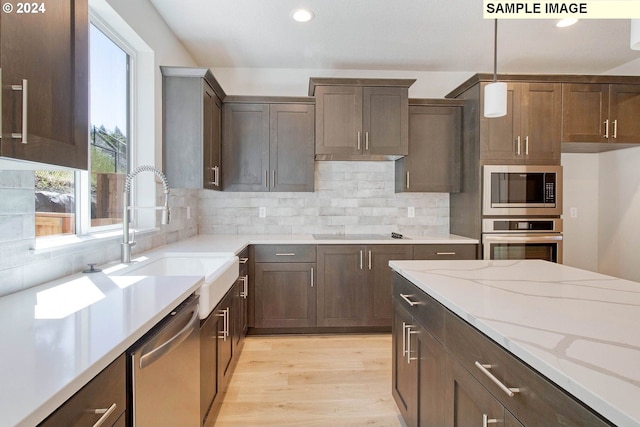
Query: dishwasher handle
point(148, 358)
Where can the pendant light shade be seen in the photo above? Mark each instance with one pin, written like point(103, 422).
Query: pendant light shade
point(635, 34)
point(495, 100)
point(495, 94)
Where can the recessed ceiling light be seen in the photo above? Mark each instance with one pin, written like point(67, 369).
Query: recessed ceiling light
point(567, 22)
point(302, 15)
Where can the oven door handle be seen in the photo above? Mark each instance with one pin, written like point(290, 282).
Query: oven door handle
point(539, 238)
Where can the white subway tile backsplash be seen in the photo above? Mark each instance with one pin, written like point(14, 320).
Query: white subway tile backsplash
point(349, 197)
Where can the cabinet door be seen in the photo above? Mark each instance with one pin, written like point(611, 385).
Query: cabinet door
point(50, 51)
point(340, 285)
point(209, 332)
point(224, 330)
point(108, 389)
point(339, 120)
point(499, 136)
point(379, 284)
point(245, 147)
point(471, 402)
point(540, 126)
point(285, 295)
point(433, 163)
point(624, 113)
point(292, 147)
point(584, 111)
point(404, 374)
point(431, 359)
point(385, 121)
point(212, 139)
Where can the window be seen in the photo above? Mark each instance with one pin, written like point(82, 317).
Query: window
point(59, 193)
point(109, 132)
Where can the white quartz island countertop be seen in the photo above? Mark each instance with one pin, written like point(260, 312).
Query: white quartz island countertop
point(577, 328)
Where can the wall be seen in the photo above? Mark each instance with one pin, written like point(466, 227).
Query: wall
point(581, 172)
point(295, 82)
point(350, 197)
point(619, 219)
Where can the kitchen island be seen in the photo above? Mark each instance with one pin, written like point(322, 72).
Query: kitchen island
point(576, 328)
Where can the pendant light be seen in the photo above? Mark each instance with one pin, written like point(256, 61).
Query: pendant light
point(635, 34)
point(495, 93)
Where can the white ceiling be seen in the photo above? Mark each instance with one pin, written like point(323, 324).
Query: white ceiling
point(422, 35)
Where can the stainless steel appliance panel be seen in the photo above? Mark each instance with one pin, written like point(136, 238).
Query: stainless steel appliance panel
point(523, 190)
point(523, 246)
point(165, 371)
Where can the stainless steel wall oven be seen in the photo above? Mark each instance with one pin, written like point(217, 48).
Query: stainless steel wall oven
point(520, 238)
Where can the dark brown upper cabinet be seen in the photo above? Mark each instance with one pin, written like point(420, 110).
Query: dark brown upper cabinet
point(192, 131)
point(361, 119)
point(44, 71)
point(530, 132)
point(601, 113)
point(435, 143)
point(268, 145)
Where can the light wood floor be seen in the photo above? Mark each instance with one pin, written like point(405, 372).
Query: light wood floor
point(312, 381)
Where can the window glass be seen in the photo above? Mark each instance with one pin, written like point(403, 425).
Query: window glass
point(109, 128)
point(55, 202)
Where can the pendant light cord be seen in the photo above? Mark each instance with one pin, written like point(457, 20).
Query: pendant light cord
point(495, 51)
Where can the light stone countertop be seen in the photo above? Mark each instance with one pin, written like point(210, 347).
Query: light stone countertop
point(577, 328)
point(57, 336)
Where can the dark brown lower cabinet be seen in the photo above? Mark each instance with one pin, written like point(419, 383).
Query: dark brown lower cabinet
point(419, 372)
point(105, 393)
point(354, 284)
point(437, 382)
point(285, 295)
point(219, 352)
point(473, 405)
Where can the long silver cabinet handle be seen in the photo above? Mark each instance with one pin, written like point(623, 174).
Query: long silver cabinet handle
point(25, 111)
point(286, 254)
point(243, 260)
point(486, 420)
point(526, 145)
point(216, 176)
point(366, 141)
point(369, 260)
point(615, 129)
point(409, 333)
point(509, 391)
point(105, 414)
point(274, 179)
point(225, 323)
point(404, 338)
point(358, 140)
point(245, 288)
point(406, 298)
point(312, 278)
point(606, 128)
point(518, 145)
point(445, 253)
point(361, 262)
point(408, 185)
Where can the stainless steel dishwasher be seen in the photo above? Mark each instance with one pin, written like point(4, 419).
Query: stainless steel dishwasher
point(165, 371)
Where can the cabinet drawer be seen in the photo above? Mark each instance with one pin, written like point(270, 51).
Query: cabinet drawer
point(538, 402)
point(450, 251)
point(106, 391)
point(427, 311)
point(285, 253)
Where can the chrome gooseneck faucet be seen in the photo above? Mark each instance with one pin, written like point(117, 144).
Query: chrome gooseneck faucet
point(127, 244)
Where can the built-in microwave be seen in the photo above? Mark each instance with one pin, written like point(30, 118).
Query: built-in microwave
point(522, 190)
